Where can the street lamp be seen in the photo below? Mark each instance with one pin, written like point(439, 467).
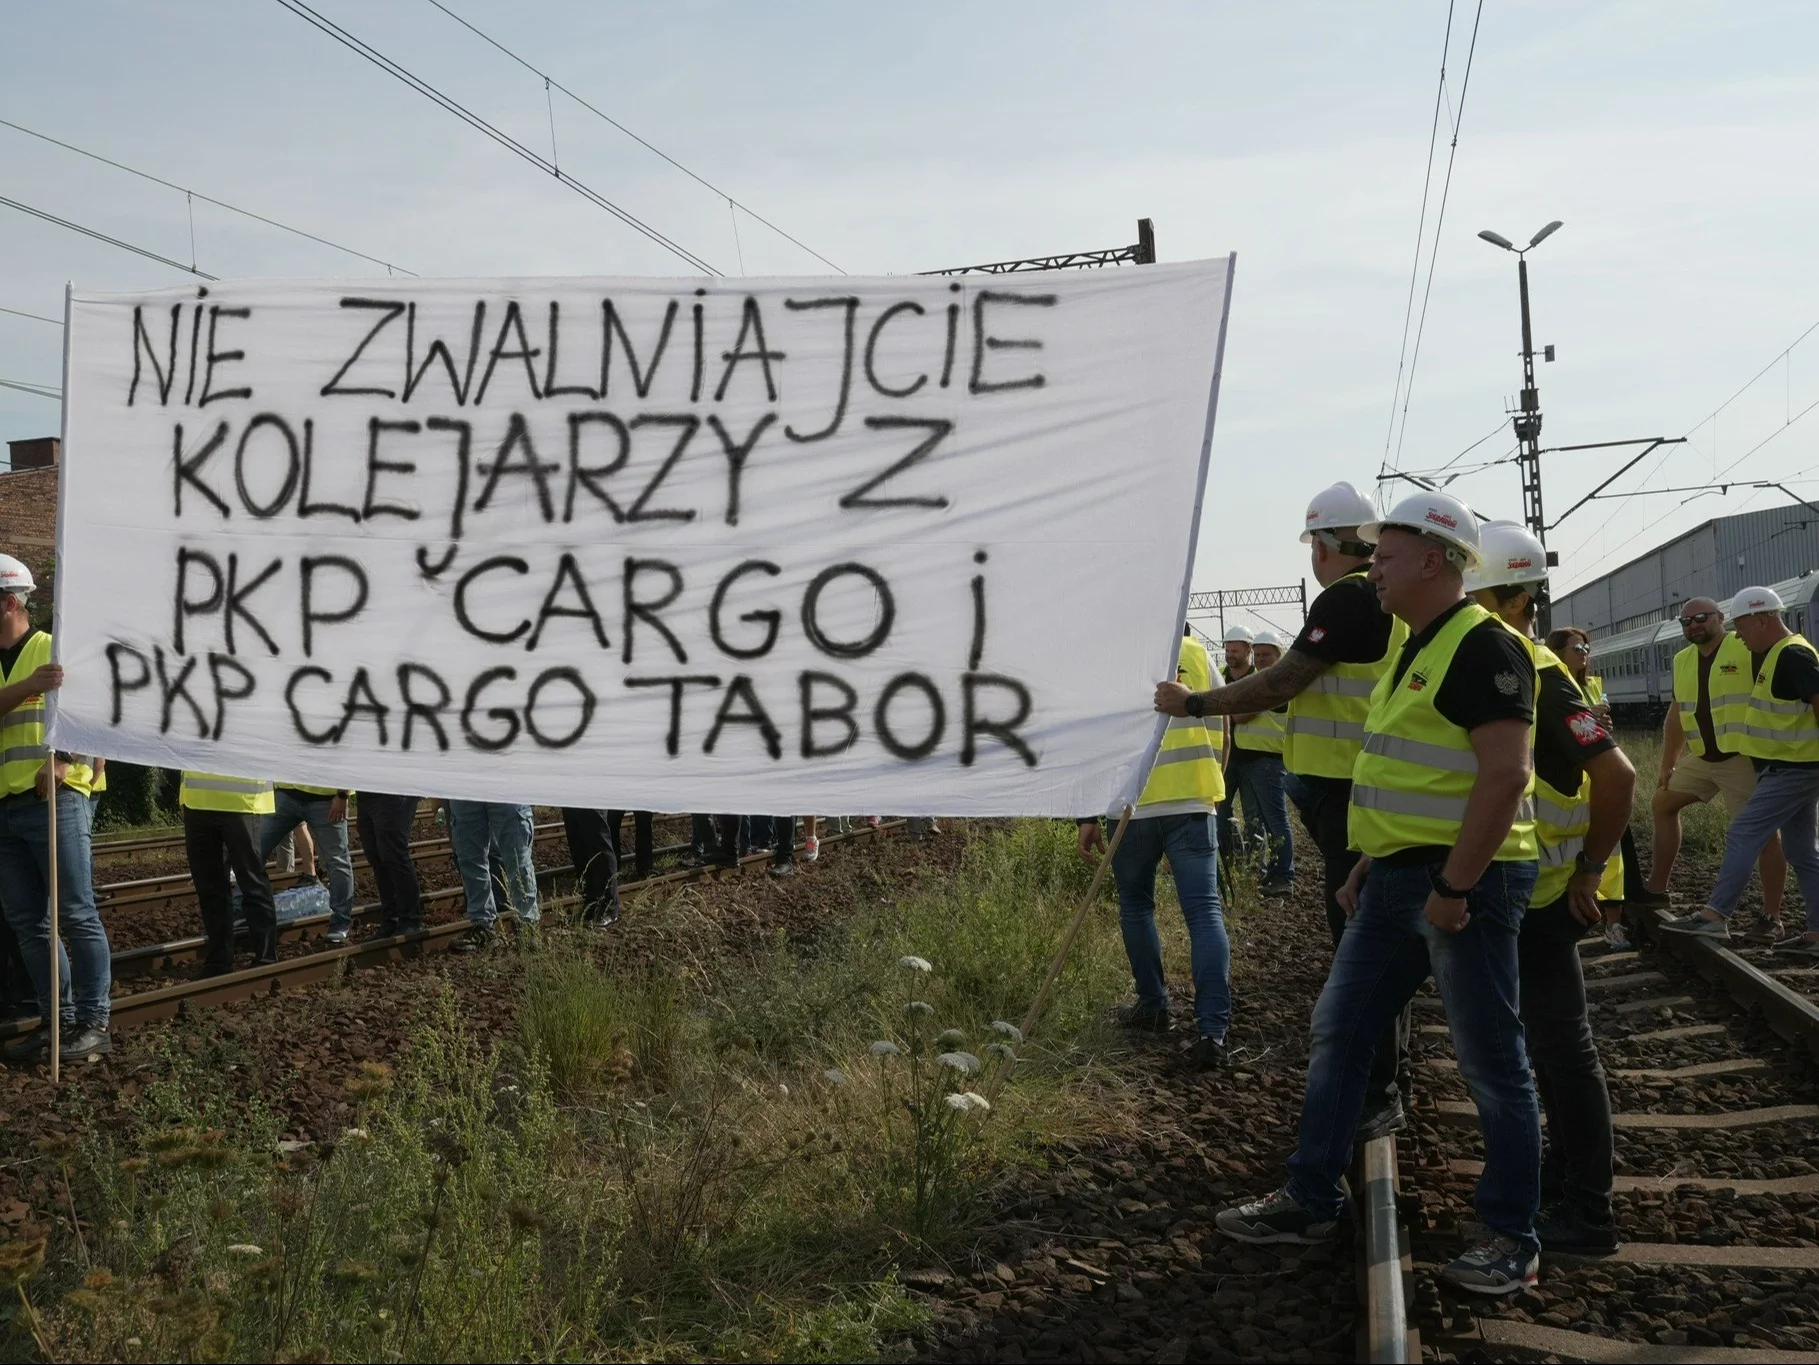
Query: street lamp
point(1526, 420)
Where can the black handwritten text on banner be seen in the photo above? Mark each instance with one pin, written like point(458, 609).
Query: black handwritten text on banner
point(914, 544)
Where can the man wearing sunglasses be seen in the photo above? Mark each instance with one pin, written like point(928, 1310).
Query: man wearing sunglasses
point(1712, 680)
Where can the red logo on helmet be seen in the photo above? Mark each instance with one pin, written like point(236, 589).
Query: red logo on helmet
point(1524, 563)
point(1439, 518)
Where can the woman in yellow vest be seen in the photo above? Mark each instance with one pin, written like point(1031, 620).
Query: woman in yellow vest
point(27, 770)
point(221, 835)
point(1583, 789)
point(1781, 735)
point(1175, 817)
point(1440, 810)
point(1255, 770)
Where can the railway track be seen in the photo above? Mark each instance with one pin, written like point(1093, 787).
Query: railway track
point(166, 1001)
point(1717, 1144)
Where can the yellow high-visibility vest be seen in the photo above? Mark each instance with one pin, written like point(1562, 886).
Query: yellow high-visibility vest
point(213, 791)
point(1562, 819)
point(1416, 769)
point(1187, 771)
point(22, 747)
point(1267, 734)
point(1728, 688)
point(1593, 690)
point(1779, 730)
point(1325, 724)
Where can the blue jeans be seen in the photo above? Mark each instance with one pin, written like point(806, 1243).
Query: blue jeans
point(1783, 800)
point(1193, 856)
point(476, 825)
point(1388, 950)
point(1262, 790)
point(300, 808)
point(85, 972)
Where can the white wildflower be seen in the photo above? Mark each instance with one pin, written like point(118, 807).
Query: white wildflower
point(783, 1090)
point(963, 1062)
point(951, 1038)
point(885, 1048)
point(835, 1075)
point(974, 1100)
point(1001, 1051)
point(1008, 1029)
point(918, 1007)
point(916, 964)
point(958, 1103)
point(356, 1135)
point(246, 1249)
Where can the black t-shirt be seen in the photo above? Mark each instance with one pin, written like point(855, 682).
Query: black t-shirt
point(1491, 677)
point(1796, 679)
point(9, 657)
point(1346, 624)
point(1702, 708)
point(1567, 732)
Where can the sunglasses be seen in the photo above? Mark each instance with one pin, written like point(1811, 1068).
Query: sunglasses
point(1580, 649)
point(1698, 618)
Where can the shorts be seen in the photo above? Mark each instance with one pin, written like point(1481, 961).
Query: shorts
point(1732, 777)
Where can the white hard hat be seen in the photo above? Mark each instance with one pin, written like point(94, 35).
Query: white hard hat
point(14, 576)
point(1745, 603)
point(1337, 508)
point(1237, 635)
point(1267, 637)
point(1513, 555)
point(1433, 514)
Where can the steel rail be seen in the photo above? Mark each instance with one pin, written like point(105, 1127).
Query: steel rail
point(164, 1002)
point(153, 843)
point(1786, 1011)
point(1383, 1257)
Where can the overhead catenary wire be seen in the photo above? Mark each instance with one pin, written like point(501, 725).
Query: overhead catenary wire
point(1414, 268)
point(36, 390)
point(103, 237)
point(550, 81)
point(197, 194)
point(1433, 255)
point(35, 317)
point(504, 139)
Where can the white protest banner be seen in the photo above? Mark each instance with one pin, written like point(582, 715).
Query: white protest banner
point(917, 545)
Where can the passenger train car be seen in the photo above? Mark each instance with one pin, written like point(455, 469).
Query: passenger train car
point(1637, 665)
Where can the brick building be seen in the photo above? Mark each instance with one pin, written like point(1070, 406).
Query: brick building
point(28, 511)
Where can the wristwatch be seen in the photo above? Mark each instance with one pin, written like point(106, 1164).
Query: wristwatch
point(1195, 704)
point(1585, 864)
point(1446, 888)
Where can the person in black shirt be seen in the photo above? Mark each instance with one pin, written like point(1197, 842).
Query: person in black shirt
point(1571, 744)
point(1787, 776)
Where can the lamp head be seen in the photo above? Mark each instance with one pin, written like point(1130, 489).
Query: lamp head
point(1544, 234)
point(1498, 239)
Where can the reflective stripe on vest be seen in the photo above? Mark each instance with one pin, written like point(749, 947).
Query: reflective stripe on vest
point(1186, 771)
point(1415, 770)
point(1267, 734)
point(1727, 688)
point(1325, 723)
point(213, 791)
point(22, 746)
point(1776, 730)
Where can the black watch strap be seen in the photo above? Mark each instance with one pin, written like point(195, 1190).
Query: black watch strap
point(1195, 704)
point(1438, 879)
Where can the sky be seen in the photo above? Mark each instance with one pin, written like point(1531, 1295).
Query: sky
point(1666, 136)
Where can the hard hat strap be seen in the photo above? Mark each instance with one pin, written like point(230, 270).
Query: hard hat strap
point(1356, 549)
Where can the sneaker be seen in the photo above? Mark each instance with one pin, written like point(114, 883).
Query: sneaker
point(84, 1043)
point(1274, 1218)
point(1765, 932)
point(1209, 1054)
point(335, 937)
point(1563, 1229)
point(1382, 1119)
point(388, 928)
point(605, 920)
point(1140, 1020)
point(783, 869)
point(1615, 935)
point(1277, 888)
point(1643, 896)
point(1801, 947)
point(1696, 925)
point(477, 939)
point(811, 849)
point(1496, 1266)
point(34, 1047)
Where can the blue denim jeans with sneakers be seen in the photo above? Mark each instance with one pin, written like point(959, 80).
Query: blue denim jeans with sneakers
point(474, 827)
point(1192, 849)
point(1783, 800)
point(1388, 950)
point(85, 972)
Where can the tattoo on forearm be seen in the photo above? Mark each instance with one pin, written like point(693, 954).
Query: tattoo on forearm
point(1282, 681)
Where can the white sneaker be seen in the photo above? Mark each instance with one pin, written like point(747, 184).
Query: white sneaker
point(1615, 936)
point(811, 850)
